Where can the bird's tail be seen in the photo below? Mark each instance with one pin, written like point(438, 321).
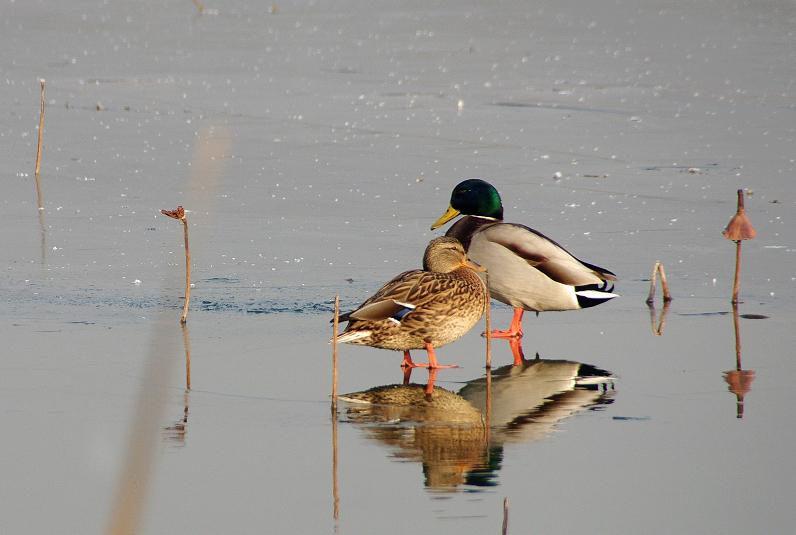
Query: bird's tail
point(590, 295)
point(350, 337)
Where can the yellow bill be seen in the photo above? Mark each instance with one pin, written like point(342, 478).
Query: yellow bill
point(447, 216)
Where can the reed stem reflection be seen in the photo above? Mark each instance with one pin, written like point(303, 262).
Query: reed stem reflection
point(40, 215)
point(335, 481)
point(177, 432)
point(739, 381)
point(658, 323)
point(186, 343)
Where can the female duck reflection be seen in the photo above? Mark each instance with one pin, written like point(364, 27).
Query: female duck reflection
point(454, 435)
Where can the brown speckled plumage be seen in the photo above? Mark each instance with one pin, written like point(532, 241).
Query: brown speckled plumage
point(447, 297)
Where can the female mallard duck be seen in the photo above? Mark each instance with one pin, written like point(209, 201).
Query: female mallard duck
point(525, 269)
point(421, 308)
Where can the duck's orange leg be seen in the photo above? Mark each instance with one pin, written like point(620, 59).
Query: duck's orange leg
point(432, 359)
point(407, 374)
point(515, 329)
point(407, 362)
point(516, 349)
point(432, 376)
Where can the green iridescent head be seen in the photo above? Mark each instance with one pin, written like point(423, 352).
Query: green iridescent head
point(473, 197)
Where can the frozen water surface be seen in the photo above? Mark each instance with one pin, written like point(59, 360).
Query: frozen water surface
point(313, 145)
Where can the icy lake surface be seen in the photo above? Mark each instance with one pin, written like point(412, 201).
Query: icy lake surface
point(313, 144)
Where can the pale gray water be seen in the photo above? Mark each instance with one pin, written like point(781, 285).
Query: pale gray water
point(620, 129)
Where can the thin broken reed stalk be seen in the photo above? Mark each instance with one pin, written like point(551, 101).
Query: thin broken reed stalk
point(39, 196)
point(179, 214)
point(37, 169)
point(335, 324)
point(488, 320)
point(41, 128)
point(505, 529)
point(658, 269)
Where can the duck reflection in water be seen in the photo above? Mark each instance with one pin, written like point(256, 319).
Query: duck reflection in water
point(440, 429)
point(459, 437)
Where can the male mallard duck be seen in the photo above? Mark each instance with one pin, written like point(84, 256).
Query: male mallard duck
point(421, 308)
point(525, 269)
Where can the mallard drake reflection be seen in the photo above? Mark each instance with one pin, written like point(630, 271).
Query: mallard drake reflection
point(421, 309)
point(526, 269)
point(530, 399)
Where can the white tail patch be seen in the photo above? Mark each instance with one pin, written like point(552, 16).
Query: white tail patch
point(595, 380)
point(594, 294)
point(352, 336)
point(354, 400)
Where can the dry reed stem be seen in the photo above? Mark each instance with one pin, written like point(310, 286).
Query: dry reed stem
point(667, 296)
point(184, 316)
point(42, 232)
point(736, 284)
point(653, 283)
point(505, 529)
point(39, 196)
point(658, 269)
point(37, 170)
point(488, 321)
point(179, 214)
point(41, 129)
point(335, 324)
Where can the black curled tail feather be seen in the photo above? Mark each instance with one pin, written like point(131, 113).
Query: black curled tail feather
point(589, 295)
